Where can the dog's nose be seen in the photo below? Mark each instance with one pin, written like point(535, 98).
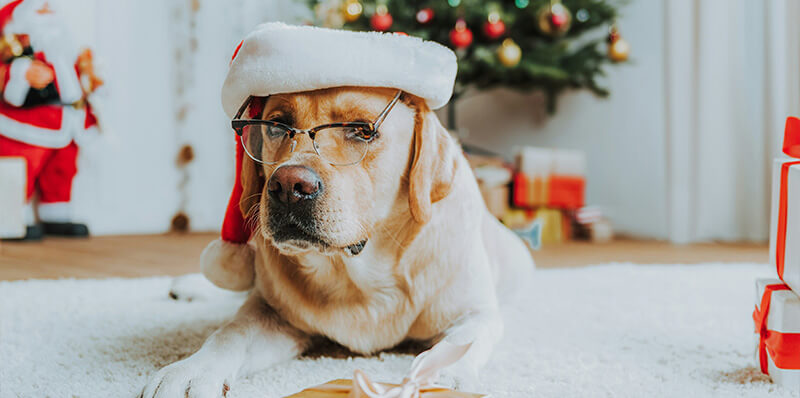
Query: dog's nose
point(292, 184)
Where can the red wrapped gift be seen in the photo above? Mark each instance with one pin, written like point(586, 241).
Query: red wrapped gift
point(777, 325)
point(549, 177)
point(784, 242)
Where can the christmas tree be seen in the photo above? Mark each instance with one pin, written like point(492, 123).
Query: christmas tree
point(547, 45)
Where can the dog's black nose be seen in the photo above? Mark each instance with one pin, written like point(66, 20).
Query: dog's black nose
point(292, 184)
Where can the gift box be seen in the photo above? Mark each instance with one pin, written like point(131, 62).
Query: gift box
point(784, 247)
point(493, 183)
point(591, 224)
point(419, 383)
point(548, 177)
point(777, 327)
point(555, 226)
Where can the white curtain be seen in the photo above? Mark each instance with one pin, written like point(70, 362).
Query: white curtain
point(731, 80)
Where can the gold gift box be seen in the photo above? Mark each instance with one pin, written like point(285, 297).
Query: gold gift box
point(341, 388)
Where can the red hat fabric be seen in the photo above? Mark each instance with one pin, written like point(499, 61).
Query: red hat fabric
point(7, 12)
point(235, 229)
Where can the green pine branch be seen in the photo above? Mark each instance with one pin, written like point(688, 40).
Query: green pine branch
point(575, 60)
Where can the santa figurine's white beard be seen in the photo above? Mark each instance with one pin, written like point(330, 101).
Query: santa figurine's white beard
point(49, 36)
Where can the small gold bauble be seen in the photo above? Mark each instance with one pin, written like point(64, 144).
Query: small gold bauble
point(352, 10)
point(618, 50)
point(509, 53)
point(554, 19)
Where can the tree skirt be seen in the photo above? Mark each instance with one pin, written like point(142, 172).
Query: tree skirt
point(609, 330)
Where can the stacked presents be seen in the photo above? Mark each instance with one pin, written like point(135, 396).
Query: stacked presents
point(548, 189)
point(777, 312)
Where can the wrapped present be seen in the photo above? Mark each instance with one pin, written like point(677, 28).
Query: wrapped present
point(420, 382)
point(548, 177)
point(12, 197)
point(777, 326)
point(534, 166)
point(493, 183)
point(567, 183)
point(592, 225)
point(555, 225)
point(518, 218)
point(784, 247)
point(529, 191)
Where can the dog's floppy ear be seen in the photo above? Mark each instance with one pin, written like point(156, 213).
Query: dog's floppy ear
point(252, 180)
point(433, 164)
point(252, 174)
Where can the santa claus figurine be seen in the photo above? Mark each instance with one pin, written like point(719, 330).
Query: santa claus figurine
point(44, 112)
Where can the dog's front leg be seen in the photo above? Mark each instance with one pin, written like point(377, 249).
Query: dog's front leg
point(255, 339)
point(482, 330)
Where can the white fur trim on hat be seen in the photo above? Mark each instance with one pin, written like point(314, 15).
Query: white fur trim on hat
point(229, 265)
point(278, 58)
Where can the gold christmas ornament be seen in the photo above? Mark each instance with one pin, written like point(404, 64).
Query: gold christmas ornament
point(352, 10)
point(554, 19)
point(509, 53)
point(619, 50)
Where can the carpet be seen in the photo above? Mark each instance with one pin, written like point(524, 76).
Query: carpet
point(617, 330)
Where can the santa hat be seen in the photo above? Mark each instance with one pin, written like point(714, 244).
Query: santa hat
point(278, 58)
point(6, 13)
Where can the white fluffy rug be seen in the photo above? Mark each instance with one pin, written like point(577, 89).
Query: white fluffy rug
point(614, 330)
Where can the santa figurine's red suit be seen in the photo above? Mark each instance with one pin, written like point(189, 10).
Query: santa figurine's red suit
point(44, 112)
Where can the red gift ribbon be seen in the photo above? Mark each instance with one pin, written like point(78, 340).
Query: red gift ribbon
point(784, 348)
point(791, 147)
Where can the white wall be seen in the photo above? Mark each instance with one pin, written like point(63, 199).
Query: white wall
point(126, 181)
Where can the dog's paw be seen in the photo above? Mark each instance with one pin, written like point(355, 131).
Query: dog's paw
point(189, 379)
point(194, 287)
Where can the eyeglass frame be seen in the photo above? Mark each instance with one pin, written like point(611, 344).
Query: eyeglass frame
point(238, 126)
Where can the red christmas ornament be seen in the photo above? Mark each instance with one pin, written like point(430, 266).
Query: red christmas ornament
point(494, 26)
point(425, 15)
point(382, 20)
point(461, 36)
point(558, 20)
point(494, 30)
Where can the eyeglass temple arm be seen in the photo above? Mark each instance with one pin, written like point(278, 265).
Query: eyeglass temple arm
point(386, 111)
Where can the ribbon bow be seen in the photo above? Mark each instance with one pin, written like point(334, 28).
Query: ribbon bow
point(780, 346)
point(791, 137)
point(422, 376)
point(760, 320)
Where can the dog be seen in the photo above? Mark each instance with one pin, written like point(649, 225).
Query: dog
point(397, 247)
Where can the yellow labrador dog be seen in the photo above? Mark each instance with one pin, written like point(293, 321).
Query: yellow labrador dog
point(397, 246)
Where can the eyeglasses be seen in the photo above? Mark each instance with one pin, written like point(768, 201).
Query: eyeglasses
point(340, 144)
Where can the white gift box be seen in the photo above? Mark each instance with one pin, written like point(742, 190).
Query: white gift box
point(12, 197)
point(777, 322)
point(784, 240)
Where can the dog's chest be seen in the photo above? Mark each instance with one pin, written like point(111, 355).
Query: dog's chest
point(354, 303)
